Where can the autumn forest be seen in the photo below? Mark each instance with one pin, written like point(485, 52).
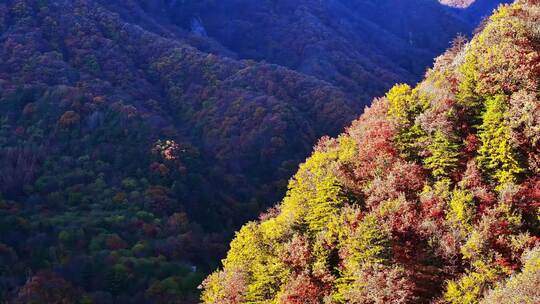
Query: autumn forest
point(269, 151)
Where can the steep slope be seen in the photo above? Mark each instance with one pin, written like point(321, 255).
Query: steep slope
point(432, 195)
point(127, 154)
point(131, 148)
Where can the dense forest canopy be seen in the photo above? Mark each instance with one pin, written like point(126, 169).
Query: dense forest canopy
point(136, 136)
point(363, 47)
point(431, 196)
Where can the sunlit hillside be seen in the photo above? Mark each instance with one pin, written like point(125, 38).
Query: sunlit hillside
point(431, 196)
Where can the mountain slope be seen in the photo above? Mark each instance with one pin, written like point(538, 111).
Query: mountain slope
point(125, 146)
point(430, 196)
point(131, 148)
point(361, 46)
point(202, 98)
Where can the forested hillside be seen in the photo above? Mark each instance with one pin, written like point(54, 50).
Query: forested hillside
point(363, 47)
point(431, 196)
point(128, 157)
point(137, 136)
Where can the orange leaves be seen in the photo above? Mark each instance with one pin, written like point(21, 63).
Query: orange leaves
point(69, 119)
point(168, 149)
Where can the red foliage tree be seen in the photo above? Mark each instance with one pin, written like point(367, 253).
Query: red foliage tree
point(47, 287)
point(528, 196)
point(302, 289)
point(374, 134)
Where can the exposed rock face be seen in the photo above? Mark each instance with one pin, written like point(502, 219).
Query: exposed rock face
point(458, 3)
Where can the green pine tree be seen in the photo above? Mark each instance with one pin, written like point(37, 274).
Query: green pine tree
point(405, 104)
point(444, 155)
point(497, 157)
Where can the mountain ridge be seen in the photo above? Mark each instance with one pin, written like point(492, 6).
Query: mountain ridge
point(430, 196)
point(132, 146)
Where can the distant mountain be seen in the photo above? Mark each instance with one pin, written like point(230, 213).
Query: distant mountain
point(431, 196)
point(362, 47)
point(136, 136)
